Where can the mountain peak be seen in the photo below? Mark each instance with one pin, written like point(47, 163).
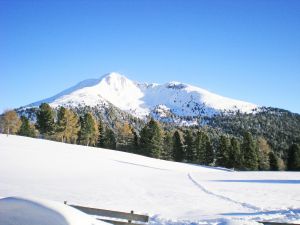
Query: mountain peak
point(113, 76)
point(141, 99)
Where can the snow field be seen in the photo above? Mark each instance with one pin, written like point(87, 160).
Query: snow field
point(170, 192)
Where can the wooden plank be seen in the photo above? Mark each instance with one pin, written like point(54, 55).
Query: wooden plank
point(113, 214)
point(275, 223)
point(119, 222)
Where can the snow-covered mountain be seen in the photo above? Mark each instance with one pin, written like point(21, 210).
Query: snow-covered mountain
point(140, 99)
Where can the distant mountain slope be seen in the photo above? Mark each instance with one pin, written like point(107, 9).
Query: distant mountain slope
point(141, 100)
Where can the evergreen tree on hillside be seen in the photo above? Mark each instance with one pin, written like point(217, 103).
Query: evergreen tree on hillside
point(151, 139)
point(26, 129)
point(101, 136)
point(89, 130)
point(167, 148)
point(189, 146)
point(109, 139)
point(178, 150)
point(208, 151)
point(45, 120)
point(235, 157)
point(274, 163)
point(222, 157)
point(10, 122)
point(199, 148)
point(293, 161)
point(135, 141)
point(203, 148)
point(249, 152)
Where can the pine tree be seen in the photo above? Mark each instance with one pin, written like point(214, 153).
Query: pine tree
point(208, 151)
point(151, 139)
point(249, 152)
point(222, 158)
point(135, 141)
point(89, 130)
point(199, 148)
point(189, 146)
point(101, 136)
point(45, 120)
point(204, 153)
point(167, 148)
point(293, 160)
point(273, 160)
point(235, 157)
point(26, 128)
point(178, 150)
point(109, 139)
point(10, 122)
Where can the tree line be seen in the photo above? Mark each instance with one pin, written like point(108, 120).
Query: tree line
point(192, 145)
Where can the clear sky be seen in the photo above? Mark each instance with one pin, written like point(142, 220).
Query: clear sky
point(248, 50)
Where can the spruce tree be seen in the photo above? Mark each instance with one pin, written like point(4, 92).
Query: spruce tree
point(293, 160)
point(101, 136)
point(135, 142)
point(209, 154)
point(203, 148)
point(199, 148)
point(152, 139)
point(178, 150)
point(109, 139)
point(235, 157)
point(249, 152)
point(189, 146)
point(274, 163)
point(222, 157)
point(26, 129)
point(167, 148)
point(89, 130)
point(45, 120)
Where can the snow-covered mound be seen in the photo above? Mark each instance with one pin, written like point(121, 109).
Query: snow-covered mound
point(141, 99)
point(170, 192)
point(32, 211)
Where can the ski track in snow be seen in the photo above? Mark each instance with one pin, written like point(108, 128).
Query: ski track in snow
point(245, 205)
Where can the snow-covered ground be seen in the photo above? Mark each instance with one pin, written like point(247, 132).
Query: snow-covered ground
point(171, 193)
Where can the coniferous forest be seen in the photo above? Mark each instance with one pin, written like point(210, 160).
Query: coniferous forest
point(268, 140)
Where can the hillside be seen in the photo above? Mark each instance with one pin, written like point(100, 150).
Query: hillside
point(171, 193)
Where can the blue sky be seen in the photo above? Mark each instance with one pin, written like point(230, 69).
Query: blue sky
point(248, 50)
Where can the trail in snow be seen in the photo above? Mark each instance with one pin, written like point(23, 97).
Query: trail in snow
point(245, 205)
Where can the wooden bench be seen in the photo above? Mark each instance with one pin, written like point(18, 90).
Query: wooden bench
point(114, 217)
point(275, 223)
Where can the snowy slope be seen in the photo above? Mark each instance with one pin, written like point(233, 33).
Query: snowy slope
point(141, 99)
point(170, 192)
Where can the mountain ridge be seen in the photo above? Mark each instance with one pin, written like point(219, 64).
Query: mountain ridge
point(143, 99)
